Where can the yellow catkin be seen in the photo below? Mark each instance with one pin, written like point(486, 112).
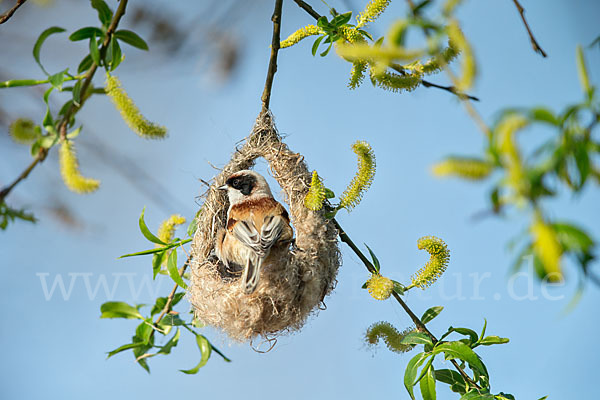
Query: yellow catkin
point(467, 168)
point(547, 248)
point(130, 112)
point(396, 82)
point(449, 6)
point(357, 74)
point(22, 130)
point(316, 194)
point(380, 287)
point(439, 61)
point(382, 54)
point(302, 33)
point(509, 152)
point(371, 12)
point(468, 66)
point(69, 169)
point(437, 264)
point(363, 178)
point(385, 331)
point(166, 230)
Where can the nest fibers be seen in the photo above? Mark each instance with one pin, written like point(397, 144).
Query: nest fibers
point(291, 287)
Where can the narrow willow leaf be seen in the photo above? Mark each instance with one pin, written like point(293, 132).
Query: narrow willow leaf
point(431, 314)
point(40, 41)
point(119, 309)
point(146, 232)
point(205, 349)
point(427, 385)
point(86, 33)
point(94, 51)
point(85, 64)
point(490, 340)
point(105, 14)
point(416, 338)
point(374, 257)
point(411, 372)
point(131, 38)
point(463, 352)
point(173, 271)
point(166, 349)
point(123, 348)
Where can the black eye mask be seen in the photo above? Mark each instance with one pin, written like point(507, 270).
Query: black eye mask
point(244, 183)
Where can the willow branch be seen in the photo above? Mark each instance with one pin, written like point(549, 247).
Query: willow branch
point(534, 42)
point(6, 16)
point(169, 304)
point(450, 89)
point(416, 320)
point(276, 18)
point(64, 122)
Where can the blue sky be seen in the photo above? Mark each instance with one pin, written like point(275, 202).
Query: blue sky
point(55, 346)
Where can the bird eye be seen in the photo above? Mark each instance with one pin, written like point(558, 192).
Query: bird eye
point(236, 183)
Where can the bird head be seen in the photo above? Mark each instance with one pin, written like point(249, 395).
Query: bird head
point(244, 184)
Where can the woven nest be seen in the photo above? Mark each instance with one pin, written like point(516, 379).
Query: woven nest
point(291, 287)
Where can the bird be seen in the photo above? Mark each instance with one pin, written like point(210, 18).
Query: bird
point(257, 226)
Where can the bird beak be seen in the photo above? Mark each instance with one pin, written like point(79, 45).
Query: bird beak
point(224, 187)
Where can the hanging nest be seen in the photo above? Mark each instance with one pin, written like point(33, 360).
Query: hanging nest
point(291, 287)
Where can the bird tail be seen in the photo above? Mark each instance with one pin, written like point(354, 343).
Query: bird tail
point(252, 274)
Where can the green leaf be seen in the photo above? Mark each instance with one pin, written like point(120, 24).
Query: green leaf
point(205, 350)
point(161, 302)
point(416, 338)
point(427, 385)
point(105, 14)
point(119, 309)
point(483, 330)
point(85, 64)
point(57, 79)
point(467, 332)
point(86, 33)
point(324, 23)
point(543, 114)
point(329, 193)
point(474, 395)
point(117, 55)
point(77, 93)
point(131, 38)
point(316, 44)
point(452, 378)
point(572, 238)
point(146, 232)
point(584, 78)
point(173, 271)
point(166, 349)
point(323, 54)
point(463, 352)
point(374, 258)
point(341, 19)
point(410, 373)
point(490, 340)
point(157, 261)
point(431, 314)
point(143, 332)
point(40, 41)
point(94, 51)
point(172, 320)
point(123, 348)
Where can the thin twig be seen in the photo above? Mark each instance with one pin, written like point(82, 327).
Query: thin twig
point(168, 305)
point(450, 89)
point(63, 124)
point(534, 42)
point(6, 16)
point(276, 18)
point(416, 320)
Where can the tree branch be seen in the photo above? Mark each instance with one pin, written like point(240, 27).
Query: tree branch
point(64, 122)
point(276, 18)
point(534, 42)
point(451, 89)
point(6, 16)
point(416, 320)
